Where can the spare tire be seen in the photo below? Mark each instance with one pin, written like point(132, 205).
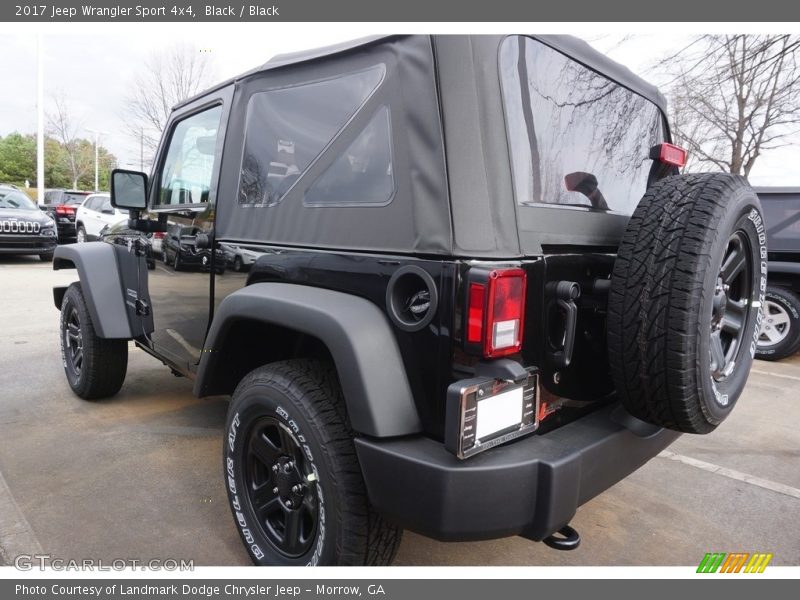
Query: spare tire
point(684, 304)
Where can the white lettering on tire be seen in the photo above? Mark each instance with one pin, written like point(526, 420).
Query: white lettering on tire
point(758, 223)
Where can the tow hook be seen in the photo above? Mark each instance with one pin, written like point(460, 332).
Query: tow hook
point(565, 538)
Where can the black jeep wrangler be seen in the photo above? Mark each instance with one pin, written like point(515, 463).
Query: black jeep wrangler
point(780, 329)
point(482, 292)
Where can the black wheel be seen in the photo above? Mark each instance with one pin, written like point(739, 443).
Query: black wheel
point(780, 326)
point(95, 366)
point(176, 262)
point(46, 257)
point(292, 475)
point(683, 309)
point(237, 264)
point(80, 235)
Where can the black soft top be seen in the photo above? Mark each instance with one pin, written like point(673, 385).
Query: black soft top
point(445, 99)
point(574, 47)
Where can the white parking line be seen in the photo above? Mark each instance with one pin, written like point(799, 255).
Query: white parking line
point(773, 374)
point(16, 535)
point(732, 474)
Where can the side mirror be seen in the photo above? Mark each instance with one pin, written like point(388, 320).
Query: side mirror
point(128, 189)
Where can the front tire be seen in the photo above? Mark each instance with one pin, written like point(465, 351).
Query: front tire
point(780, 327)
point(683, 309)
point(95, 366)
point(80, 235)
point(292, 476)
point(46, 257)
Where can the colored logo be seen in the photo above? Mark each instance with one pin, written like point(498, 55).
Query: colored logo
point(735, 562)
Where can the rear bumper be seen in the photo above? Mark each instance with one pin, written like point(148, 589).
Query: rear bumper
point(66, 231)
point(530, 487)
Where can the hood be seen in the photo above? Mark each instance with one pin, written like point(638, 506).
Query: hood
point(36, 216)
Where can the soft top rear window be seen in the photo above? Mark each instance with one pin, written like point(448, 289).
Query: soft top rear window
point(73, 198)
point(576, 138)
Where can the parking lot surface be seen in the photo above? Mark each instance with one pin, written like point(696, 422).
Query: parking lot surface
point(139, 476)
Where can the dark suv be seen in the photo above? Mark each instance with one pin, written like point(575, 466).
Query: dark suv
point(481, 292)
point(61, 205)
point(23, 227)
point(780, 330)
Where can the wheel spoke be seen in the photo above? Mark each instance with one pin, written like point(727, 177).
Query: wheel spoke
point(264, 450)
point(773, 335)
point(263, 493)
point(717, 353)
point(288, 445)
point(77, 359)
point(779, 319)
point(734, 263)
point(268, 508)
point(733, 321)
point(294, 527)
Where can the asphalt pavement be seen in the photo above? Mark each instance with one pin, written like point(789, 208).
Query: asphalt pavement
point(139, 476)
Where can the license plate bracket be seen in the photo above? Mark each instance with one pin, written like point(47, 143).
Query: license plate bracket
point(484, 413)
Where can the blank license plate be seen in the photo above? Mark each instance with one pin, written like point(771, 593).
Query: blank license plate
point(498, 413)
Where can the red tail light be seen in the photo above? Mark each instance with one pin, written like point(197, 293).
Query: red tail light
point(159, 235)
point(669, 154)
point(495, 314)
point(65, 210)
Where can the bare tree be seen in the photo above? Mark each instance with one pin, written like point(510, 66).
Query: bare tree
point(166, 78)
point(62, 126)
point(734, 97)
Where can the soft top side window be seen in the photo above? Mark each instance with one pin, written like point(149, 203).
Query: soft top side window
point(188, 168)
point(362, 175)
point(288, 128)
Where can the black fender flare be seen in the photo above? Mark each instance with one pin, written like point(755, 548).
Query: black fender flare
point(101, 285)
point(784, 267)
point(367, 358)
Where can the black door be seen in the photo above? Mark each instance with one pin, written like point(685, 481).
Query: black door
point(183, 195)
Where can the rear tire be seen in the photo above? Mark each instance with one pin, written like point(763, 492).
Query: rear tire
point(780, 329)
point(95, 366)
point(684, 304)
point(292, 474)
point(80, 235)
point(47, 257)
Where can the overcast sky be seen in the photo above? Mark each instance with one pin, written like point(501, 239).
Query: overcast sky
point(94, 70)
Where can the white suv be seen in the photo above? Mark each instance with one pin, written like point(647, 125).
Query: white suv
point(94, 214)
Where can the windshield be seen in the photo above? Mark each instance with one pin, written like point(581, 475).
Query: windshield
point(72, 198)
point(16, 200)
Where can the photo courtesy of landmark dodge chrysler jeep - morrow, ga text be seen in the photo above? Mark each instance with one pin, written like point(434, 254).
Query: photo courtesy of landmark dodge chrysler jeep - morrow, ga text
point(482, 292)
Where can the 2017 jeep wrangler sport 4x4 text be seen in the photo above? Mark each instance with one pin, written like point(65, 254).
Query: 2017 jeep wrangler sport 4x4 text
point(477, 291)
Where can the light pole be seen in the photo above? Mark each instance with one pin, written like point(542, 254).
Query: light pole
point(97, 135)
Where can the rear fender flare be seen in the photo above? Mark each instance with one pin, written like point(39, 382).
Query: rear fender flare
point(357, 334)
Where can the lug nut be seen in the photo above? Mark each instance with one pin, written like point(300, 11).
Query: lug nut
point(274, 468)
point(289, 504)
point(275, 490)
